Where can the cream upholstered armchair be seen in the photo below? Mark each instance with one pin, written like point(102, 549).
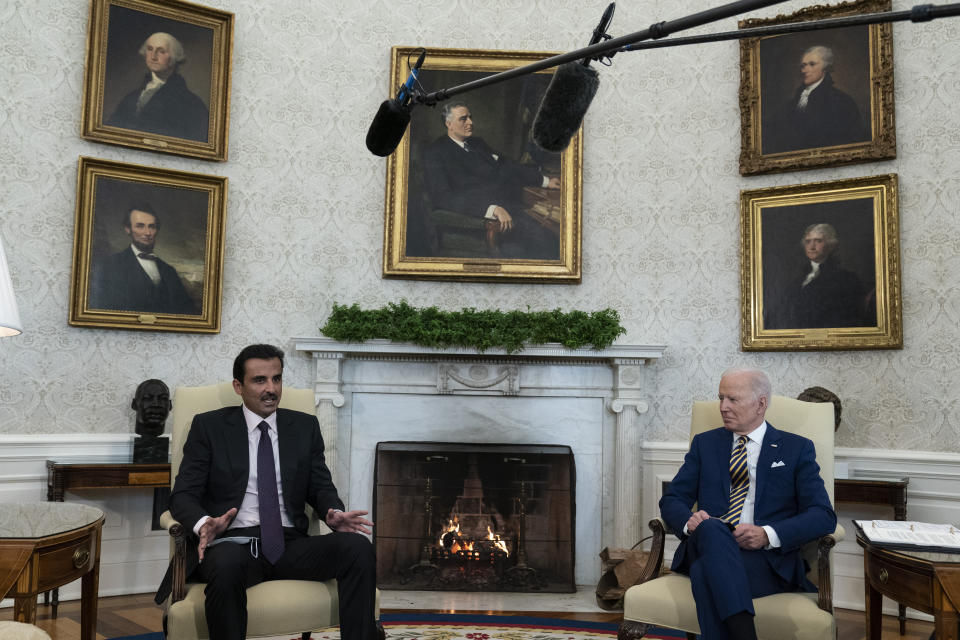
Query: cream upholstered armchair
point(667, 601)
point(275, 607)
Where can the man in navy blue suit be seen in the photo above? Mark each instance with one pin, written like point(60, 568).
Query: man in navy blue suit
point(759, 498)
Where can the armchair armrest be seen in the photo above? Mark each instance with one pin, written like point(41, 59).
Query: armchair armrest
point(824, 583)
point(178, 563)
point(654, 564)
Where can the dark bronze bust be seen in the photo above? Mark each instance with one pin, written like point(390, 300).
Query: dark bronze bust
point(152, 403)
point(819, 394)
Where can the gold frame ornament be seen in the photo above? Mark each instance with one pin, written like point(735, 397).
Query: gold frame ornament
point(434, 228)
point(777, 134)
point(107, 284)
point(123, 103)
point(851, 298)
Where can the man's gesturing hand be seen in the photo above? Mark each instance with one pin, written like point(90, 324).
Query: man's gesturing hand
point(212, 528)
point(352, 521)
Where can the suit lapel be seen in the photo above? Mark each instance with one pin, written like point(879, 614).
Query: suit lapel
point(769, 453)
point(238, 450)
point(722, 447)
point(287, 442)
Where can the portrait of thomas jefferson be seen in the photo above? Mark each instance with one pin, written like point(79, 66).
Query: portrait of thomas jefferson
point(158, 76)
point(814, 93)
point(816, 276)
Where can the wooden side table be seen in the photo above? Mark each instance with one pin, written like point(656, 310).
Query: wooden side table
point(926, 581)
point(45, 545)
point(107, 473)
point(878, 491)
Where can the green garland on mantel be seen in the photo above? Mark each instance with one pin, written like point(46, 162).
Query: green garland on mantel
point(482, 330)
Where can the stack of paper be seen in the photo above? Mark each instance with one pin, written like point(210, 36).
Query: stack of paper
point(910, 534)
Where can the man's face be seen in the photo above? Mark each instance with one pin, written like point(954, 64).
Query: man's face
point(815, 246)
point(460, 124)
point(262, 385)
point(741, 410)
point(812, 68)
point(156, 53)
point(153, 405)
point(142, 229)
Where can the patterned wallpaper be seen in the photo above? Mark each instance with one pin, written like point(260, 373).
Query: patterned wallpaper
point(305, 208)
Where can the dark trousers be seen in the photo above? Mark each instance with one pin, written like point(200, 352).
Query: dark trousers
point(725, 578)
point(229, 569)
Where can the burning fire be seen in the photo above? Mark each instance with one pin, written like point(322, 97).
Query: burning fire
point(466, 547)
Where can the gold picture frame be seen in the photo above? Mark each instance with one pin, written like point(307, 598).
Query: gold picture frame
point(437, 221)
point(851, 300)
point(848, 116)
point(125, 213)
point(129, 53)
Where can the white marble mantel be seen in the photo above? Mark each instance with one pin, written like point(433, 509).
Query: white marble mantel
point(593, 400)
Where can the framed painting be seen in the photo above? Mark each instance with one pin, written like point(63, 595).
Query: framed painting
point(157, 77)
point(469, 196)
point(820, 266)
point(147, 248)
point(819, 98)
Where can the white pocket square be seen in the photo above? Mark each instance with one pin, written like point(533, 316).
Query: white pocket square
point(779, 463)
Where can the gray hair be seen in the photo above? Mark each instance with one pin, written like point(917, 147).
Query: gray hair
point(176, 49)
point(759, 382)
point(828, 232)
point(825, 53)
point(446, 111)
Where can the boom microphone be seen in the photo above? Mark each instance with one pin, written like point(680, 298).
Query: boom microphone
point(392, 118)
point(568, 96)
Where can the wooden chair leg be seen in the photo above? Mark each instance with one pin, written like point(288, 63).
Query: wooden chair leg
point(630, 630)
point(305, 635)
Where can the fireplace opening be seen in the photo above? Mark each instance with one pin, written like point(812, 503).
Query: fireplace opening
point(474, 517)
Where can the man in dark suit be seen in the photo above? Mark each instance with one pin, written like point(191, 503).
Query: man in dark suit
point(464, 174)
point(818, 115)
point(135, 279)
point(250, 525)
point(759, 498)
point(162, 103)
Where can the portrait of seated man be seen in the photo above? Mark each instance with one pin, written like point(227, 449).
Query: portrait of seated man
point(465, 175)
point(746, 499)
point(818, 114)
point(822, 293)
point(136, 279)
point(162, 103)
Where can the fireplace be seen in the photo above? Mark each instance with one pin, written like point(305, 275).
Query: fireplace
point(474, 517)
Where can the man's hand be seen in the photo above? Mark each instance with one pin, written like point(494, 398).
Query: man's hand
point(750, 536)
point(352, 521)
point(696, 519)
point(553, 183)
point(212, 528)
point(504, 218)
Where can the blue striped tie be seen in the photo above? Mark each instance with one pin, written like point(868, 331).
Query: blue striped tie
point(739, 481)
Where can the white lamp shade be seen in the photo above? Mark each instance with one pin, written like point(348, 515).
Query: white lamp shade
point(9, 314)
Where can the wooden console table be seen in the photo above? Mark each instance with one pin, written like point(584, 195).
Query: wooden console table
point(45, 545)
point(878, 491)
point(70, 474)
point(924, 580)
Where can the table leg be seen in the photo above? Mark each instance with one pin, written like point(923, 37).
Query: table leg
point(89, 587)
point(902, 617)
point(25, 609)
point(873, 602)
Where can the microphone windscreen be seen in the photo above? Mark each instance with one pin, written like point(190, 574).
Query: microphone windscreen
point(563, 106)
point(387, 128)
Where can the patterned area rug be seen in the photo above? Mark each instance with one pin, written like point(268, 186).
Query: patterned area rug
point(462, 626)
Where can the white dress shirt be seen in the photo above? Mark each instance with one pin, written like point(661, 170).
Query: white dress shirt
point(754, 441)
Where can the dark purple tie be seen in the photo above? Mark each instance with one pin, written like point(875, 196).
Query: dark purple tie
point(271, 530)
